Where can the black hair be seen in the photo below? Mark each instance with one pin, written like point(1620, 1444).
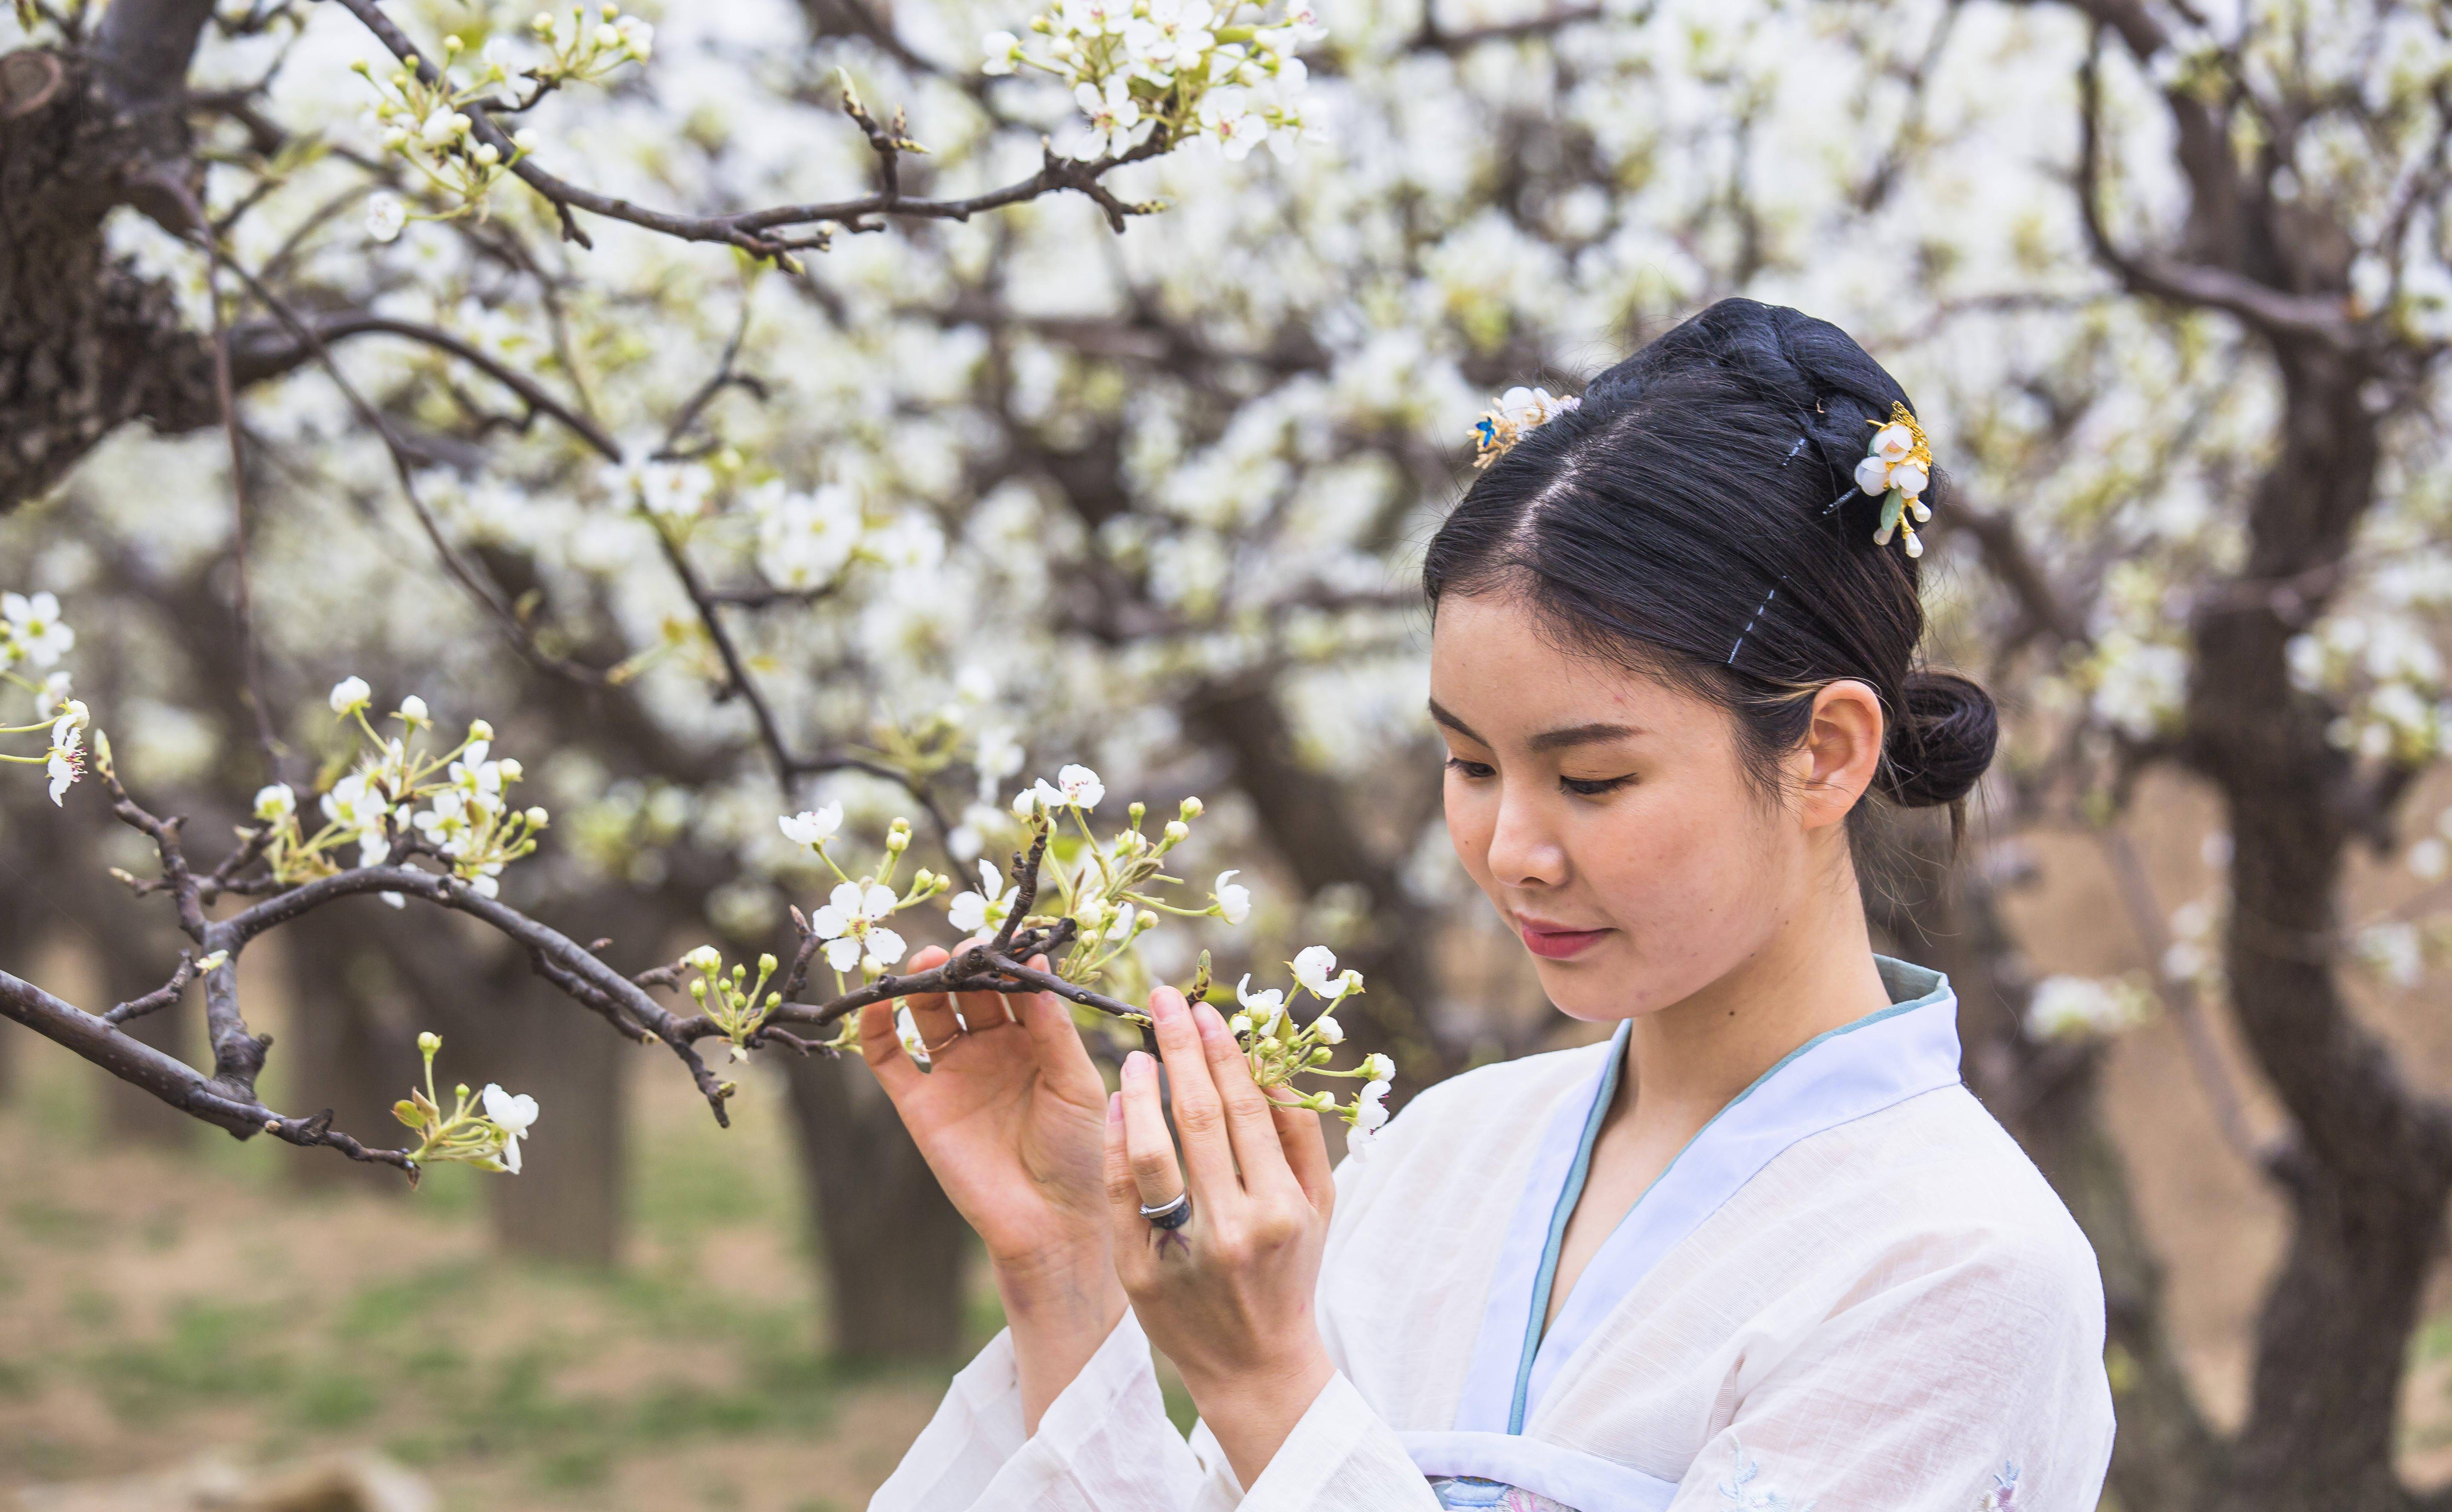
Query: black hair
point(1697, 516)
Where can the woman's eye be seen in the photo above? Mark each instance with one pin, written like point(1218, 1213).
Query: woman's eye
point(1476, 770)
point(1594, 787)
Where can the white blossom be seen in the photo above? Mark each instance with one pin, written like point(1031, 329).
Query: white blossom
point(812, 827)
point(1234, 899)
point(849, 924)
point(386, 217)
point(350, 695)
point(276, 802)
point(2068, 1007)
point(514, 1115)
point(33, 628)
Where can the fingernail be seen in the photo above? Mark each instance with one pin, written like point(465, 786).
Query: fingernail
point(1211, 1027)
point(1136, 1064)
point(1115, 1109)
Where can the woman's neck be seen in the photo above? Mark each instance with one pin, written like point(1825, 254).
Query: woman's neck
point(1815, 974)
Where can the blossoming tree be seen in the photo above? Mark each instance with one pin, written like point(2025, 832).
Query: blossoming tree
point(743, 528)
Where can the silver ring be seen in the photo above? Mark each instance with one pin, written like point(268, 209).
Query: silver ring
point(1170, 1215)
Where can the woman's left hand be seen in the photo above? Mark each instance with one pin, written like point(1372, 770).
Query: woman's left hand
point(1228, 1296)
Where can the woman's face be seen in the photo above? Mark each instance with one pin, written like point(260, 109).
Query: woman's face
point(1608, 816)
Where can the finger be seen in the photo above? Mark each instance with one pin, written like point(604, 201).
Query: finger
point(1056, 1044)
point(1123, 1195)
point(1306, 1146)
point(1250, 1125)
point(931, 1014)
point(1200, 1113)
point(981, 1010)
point(1149, 1153)
point(881, 1047)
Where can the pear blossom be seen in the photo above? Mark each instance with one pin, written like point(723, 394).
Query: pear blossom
point(1003, 49)
point(1316, 969)
point(1115, 117)
point(514, 1115)
point(675, 490)
point(812, 827)
point(33, 631)
point(1234, 899)
point(1263, 1007)
point(386, 217)
point(350, 694)
point(987, 908)
point(850, 925)
point(1369, 1115)
point(54, 692)
point(1329, 1030)
point(705, 959)
point(66, 761)
point(276, 802)
point(1081, 787)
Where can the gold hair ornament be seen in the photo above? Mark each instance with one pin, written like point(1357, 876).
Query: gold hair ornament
point(1516, 412)
point(1897, 469)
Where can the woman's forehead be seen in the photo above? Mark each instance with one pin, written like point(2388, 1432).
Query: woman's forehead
point(1495, 675)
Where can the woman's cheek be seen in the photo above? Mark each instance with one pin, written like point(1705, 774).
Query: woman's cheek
point(1471, 817)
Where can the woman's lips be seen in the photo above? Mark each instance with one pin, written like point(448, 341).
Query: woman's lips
point(1553, 942)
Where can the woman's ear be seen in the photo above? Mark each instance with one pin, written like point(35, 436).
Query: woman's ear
point(1843, 750)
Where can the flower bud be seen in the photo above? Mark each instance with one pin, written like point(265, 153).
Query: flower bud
point(212, 962)
point(1177, 830)
point(705, 959)
point(698, 990)
point(767, 965)
point(480, 729)
point(489, 155)
point(412, 708)
point(510, 769)
point(536, 817)
point(1191, 808)
point(429, 1043)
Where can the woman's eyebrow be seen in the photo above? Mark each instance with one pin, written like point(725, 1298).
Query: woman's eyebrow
point(1580, 735)
point(1547, 739)
point(1440, 716)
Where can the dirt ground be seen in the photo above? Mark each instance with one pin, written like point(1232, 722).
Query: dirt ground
point(159, 1307)
point(155, 1309)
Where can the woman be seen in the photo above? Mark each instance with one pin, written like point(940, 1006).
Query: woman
point(1760, 1249)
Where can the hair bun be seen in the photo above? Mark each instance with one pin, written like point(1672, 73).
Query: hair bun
point(1942, 741)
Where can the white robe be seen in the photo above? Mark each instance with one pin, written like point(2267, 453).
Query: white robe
point(1850, 1292)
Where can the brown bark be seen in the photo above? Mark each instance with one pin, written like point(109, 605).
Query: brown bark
point(892, 1247)
point(2369, 1173)
point(87, 343)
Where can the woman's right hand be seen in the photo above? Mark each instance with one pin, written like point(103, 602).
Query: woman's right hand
point(1012, 1117)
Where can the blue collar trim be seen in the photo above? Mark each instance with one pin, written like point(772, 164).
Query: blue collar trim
point(1846, 1073)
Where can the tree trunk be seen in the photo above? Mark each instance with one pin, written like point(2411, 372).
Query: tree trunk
point(88, 344)
point(891, 1245)
point(2369, 1167)
point(349, 1047)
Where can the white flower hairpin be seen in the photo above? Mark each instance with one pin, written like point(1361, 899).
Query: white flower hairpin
point(1517, 411)
point(1897, 470)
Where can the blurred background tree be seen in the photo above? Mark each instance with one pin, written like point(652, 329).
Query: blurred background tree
point(945, 505)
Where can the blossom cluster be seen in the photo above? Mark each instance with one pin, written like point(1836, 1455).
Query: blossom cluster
point(737, 1005)
point(1111, 889)
point(34, 636)
point(484, 1132)
point(1167, 71)
point(465, 820)
point(2077, 1006)
point(1280, 1047)
point(427, 125)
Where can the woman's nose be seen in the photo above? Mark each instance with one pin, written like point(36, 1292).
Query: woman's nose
point(1524, 848)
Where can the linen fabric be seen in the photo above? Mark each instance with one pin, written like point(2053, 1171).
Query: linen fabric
point(1850, 1292)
